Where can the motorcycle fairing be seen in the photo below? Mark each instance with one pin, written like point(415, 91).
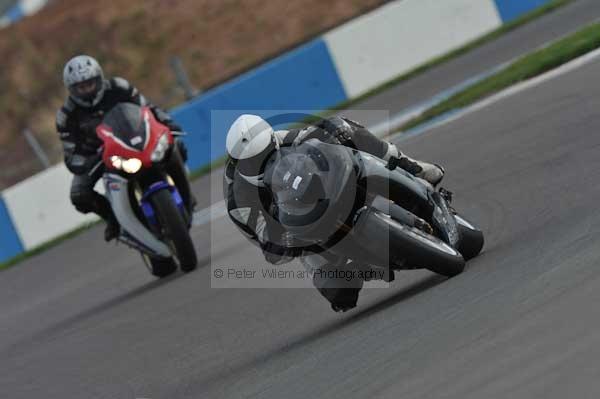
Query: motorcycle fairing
point(408, 191)
point(117, 192)
point(130, 131)
point(444, 220)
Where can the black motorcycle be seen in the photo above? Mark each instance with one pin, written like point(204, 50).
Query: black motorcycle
point(352, 205)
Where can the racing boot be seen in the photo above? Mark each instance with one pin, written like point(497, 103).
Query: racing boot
point(104, 210)
point(431, 173)
point(112, 230)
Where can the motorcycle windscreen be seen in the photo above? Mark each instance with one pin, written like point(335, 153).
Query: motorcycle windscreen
point(130, 124)
point(314, 188)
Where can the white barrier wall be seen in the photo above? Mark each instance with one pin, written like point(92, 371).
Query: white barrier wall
point(403, 35)
point(40, 207)
point(32, 6)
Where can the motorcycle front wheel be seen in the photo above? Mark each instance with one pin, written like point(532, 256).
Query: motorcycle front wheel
point(406, 245)
point(174, 229)
point(471, 238)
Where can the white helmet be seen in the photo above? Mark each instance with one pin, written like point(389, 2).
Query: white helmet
point(84, 79)
point(250, 141)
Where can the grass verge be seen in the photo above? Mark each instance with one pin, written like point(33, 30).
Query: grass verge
point(527, 67)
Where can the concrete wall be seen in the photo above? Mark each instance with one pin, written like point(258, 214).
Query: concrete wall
point(344, 63)
point(304, 78)
point(510, 10)
point(10, 243)
point(40, 207)
point(402, 35)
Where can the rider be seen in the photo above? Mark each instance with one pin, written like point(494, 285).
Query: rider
point(91, 96)
point(251, 140)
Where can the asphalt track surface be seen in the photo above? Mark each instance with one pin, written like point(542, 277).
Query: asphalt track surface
point(86, 320)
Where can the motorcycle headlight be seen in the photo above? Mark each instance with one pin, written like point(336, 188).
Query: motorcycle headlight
point(117, 162)
point(161, 148)
point(132, 165)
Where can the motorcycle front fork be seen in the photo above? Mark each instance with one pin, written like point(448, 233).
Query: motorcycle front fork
point(175, 167)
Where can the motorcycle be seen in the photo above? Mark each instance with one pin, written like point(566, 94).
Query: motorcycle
point(154, 219)
point(353, 205)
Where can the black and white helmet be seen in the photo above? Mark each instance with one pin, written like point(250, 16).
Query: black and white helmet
point(84, 79)
point(250, 141)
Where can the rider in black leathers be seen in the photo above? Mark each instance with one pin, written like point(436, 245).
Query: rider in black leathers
point(91, 96)
point(250, 142)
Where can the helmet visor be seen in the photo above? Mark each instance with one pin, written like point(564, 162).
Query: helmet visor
point(88, 89)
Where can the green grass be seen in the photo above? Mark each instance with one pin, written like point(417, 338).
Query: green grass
point(568, 51)
point(527, 67)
